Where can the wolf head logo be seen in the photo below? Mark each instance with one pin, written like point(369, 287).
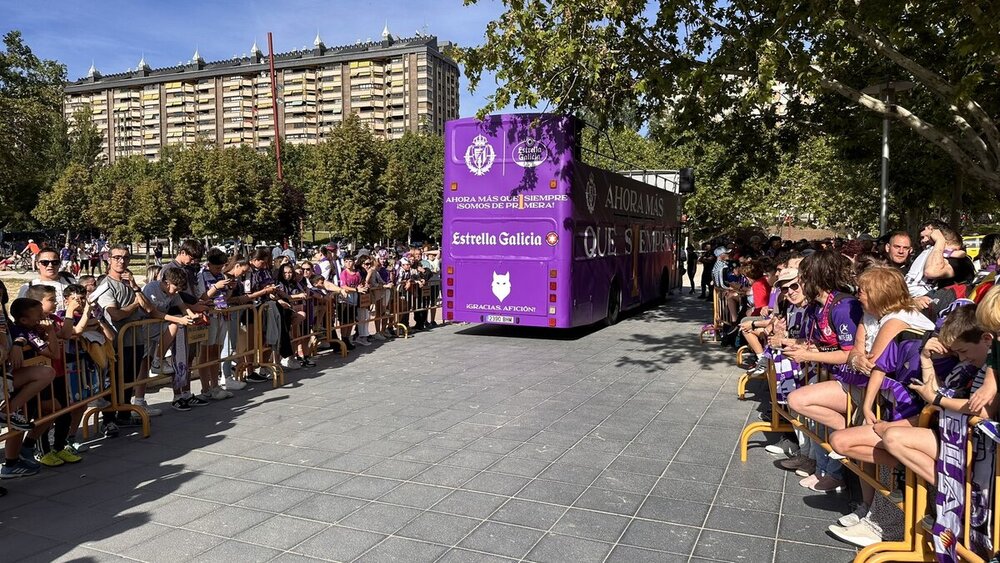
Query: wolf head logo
point(501, 285)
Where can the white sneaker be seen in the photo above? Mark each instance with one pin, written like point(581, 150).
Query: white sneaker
point(157, 367)
point(853, 518)
point(783, 447)
point(363, 342)
point(861, 534)
point(289, 364)
point(836, 456)
point(235, 385)
point(142, 404)
point(218, 394)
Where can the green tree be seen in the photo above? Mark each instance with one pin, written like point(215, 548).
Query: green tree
point(30, 116)
point(84, 138)
point(63, 206)
point(412, 182)
point(342, 186)
point(111, 203)
point(778, 60)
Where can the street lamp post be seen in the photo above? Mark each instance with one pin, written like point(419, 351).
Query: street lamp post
point(886, 91)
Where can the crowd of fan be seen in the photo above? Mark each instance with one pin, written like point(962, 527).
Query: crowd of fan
point(367, 294)
point(899, 323)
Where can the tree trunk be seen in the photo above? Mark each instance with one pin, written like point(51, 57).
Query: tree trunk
point(955, 217)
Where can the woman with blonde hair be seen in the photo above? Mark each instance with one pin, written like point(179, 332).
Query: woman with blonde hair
point(898, 338)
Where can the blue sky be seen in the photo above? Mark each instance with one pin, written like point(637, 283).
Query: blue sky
point(114, 34)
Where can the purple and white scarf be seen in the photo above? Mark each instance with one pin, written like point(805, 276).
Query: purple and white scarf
point(951, 475)
point(180, 359)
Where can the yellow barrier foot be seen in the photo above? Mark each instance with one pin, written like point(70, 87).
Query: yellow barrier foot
point(741, 386)
point(404, 330)
point(739, 355)
point(888, 552)
point(754, 428)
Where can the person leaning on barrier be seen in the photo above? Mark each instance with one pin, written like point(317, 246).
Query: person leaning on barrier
point(833, 318)
point(351, 283)
point(917, 448)
point(122, 302)
point(238, 340)
point(261, 288)
point(292, 317)
point(167, 305)
point(61, 357)
point(213, 291)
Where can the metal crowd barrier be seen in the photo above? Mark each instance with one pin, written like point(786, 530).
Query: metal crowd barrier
point(712, 332)
point(135, 352)
point(916, 544)
point(745, 378)
point(69, 394)
point(245, 343)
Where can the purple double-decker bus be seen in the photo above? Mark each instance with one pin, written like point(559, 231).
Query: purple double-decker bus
point(534, 236)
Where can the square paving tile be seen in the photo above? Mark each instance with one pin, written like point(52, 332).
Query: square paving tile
point(237, 551)
point(369, 488)
point(617, 502)
point(381, 518)
point(557, 548)
point(789, 552)
point(672, 510)
point(528, 513)
point(325, 508)
point(502, 539)
point(469, 503)
point(439, 528)
point(733, 547)
point(281, 532)
point(752, 522)
point(341, 544)
point(551, 491)
point(495, 483)
point(415, 495)
point(228, 521)
point(591, 525)
point(660, 536)
point(630, 554)
point(175, 545)
point(403, 549)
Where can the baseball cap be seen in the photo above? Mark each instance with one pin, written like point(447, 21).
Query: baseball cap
point(404, 261)
point(787, 275)
point(721, 250)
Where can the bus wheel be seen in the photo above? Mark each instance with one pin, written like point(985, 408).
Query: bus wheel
point(614, 305)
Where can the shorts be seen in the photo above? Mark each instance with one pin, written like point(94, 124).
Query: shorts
point(857, 397)
point(218, 330)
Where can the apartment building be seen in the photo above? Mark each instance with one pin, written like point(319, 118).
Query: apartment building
point(394, 85)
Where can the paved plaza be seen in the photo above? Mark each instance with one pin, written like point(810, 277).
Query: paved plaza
point(465, 443)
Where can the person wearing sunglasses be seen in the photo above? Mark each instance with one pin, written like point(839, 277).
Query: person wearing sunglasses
point(50, 273)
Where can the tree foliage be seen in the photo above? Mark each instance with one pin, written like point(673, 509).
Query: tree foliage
point(413, 186)
point(30, 122)
point(773, 61)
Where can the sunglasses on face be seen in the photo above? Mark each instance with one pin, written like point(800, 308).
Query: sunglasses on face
point(50, 262)
point(119, 257)
point(790, 287)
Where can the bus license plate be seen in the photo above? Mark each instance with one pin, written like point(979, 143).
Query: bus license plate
point(507, 319)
